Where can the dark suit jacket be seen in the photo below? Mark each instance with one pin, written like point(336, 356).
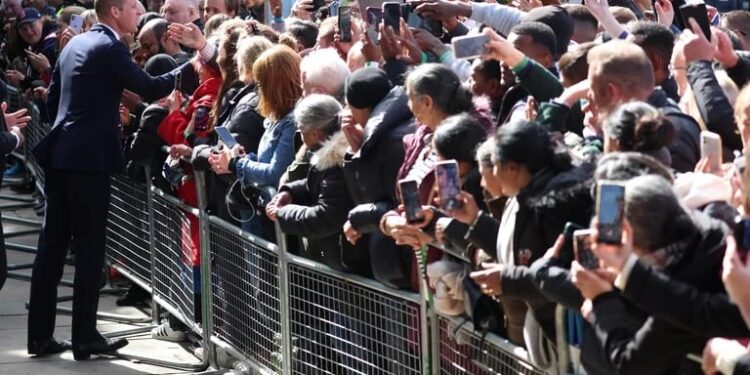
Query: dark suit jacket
point(84, 99)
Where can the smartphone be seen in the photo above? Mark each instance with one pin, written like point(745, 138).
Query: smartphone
point(610, 210)
point(698, 12)
point(374, 17)
point(410, 199)
point(201, 118)
point(317, 4)
point(653, 10)
point(449, 184)
point(568, 249)
point(711, 149)
point(178, 81)
point(742, 236)
point(746, 180)
point(345, 23)
point(76, 23)
point(225, 136)
point(582, 248)
point(392, 16)
point(469, 46)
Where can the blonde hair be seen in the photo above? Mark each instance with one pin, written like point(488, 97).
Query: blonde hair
point(248, 51)
point(277, 74)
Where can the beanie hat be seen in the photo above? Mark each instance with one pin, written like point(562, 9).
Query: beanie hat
point(557, 18)
point(160, 64)
point(366, 87)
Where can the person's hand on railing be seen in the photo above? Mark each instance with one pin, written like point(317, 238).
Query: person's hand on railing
point(279, 200)
point(397, 227)
point(716, 347)
point(18, 118)
point(18, 133)
point(440, 226)
point(490, 279)
point(352, 235)
point(219, 159)
point(189, 35)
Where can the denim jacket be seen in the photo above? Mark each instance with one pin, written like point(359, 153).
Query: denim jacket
point(275, 153)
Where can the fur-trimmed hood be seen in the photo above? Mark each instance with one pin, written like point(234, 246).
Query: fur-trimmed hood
point(331, 153)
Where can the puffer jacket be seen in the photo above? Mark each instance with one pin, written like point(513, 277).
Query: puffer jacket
point(370, 176)
point(545, 205)
point(319, 208)
point(659, 346)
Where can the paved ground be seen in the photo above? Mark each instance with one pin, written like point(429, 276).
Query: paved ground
point(13, 357)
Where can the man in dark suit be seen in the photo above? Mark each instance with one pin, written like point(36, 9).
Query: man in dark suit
point(78, 156)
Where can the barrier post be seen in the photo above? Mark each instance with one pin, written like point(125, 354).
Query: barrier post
point(284, 305)
point(209, 352)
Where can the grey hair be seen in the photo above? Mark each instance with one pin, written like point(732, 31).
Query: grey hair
point(485, 152)
point(325, 68)
point(656, 215)
point(318, 111)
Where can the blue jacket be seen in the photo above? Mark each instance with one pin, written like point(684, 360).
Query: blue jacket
point(84, 99)
point(275, 153)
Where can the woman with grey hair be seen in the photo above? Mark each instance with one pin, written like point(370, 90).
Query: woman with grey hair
point(317, 207)
point(670, 260)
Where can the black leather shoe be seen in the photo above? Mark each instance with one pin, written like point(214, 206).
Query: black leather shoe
point(106, 346)
point(47, 347)
point(135, 296)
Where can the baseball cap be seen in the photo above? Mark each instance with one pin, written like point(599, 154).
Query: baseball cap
point(29, 15)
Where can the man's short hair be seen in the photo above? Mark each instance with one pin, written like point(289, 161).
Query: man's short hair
point(158, 26)
point(580, 13)
point(623, 64)
point(325, 68)
point(102, 6)
point(737, 21)
point(623, 15)
point(574, 65)
point(653, 38)
point(540, 33)
point(305, 32)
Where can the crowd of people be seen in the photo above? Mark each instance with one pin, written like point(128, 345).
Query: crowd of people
point(337, 113)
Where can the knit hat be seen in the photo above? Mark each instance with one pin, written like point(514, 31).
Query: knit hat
point(366, 87)
point(557, 18)
point(160, 64)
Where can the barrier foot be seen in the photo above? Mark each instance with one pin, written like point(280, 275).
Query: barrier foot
point(23, 266)
point(195, 367)
point(108, 316)
point(19, 247)
point(21, 233)
point(16, 206)
point(22, 221)
point(27, 277)
point(15, 198)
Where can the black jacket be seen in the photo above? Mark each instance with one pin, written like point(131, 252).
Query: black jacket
point(371, 179)
point(714, 107)
point(146, 149)
point(320, 205)
point(685, 147)
point(659, 346)
point(743, 366)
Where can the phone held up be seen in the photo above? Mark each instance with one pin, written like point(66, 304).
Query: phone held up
point(469, 46)
point(582, 247)
point(449, 184)
point(345, 23)
point(610, 211)
point(409, 191)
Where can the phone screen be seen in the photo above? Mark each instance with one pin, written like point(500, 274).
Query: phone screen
point(610, 209)
point(345, 23)
point(225, 136)
point(449, 185)
point(76, 23)
point(178, 81)
point(469, 46)
point(698, 12)
point(582, 245)
point(201, 118)
point(410, 200)
point(374, 17)
point(392, 16)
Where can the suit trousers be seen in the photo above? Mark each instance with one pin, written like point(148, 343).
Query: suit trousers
point(76, 213)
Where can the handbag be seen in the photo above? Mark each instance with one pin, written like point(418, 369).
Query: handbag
point(484, 311)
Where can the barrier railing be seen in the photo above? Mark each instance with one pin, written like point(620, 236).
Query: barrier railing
point(273, 311)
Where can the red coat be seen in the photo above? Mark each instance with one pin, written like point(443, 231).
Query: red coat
point(172, 128)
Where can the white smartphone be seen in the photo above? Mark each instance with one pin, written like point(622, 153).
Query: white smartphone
point(711, 149)
point(76, 23)
point(469, 46)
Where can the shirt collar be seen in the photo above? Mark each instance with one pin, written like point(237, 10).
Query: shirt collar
point(117, 36)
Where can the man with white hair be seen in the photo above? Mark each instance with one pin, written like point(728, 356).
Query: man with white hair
point(324, 72)
point(183, 12)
